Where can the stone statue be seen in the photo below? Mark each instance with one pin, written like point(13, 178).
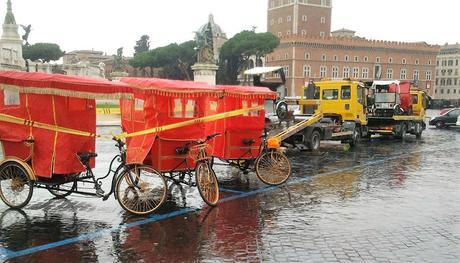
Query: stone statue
point(101, 67)
point(205, 46)
point(27, 30)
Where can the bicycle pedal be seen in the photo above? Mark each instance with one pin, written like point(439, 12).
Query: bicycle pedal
point(100, 192)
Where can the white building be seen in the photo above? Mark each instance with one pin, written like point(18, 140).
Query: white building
point(11, 43)
point(448, 73)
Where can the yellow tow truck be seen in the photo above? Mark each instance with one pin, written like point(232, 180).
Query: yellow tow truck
point(347, 114)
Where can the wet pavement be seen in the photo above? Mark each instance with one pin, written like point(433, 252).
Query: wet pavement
point(385, 201)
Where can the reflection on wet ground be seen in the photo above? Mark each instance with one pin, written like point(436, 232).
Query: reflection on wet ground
point(383, 201)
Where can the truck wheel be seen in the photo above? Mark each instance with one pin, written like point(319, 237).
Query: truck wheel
point(282, 110)
point(356, 137)
point(418, 130)
point(439, 124)
point(403, 132)
point(314, 141)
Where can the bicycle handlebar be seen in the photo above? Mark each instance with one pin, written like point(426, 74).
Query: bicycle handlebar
point(208, 138)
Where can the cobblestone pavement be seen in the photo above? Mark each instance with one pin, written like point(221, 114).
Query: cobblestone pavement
point(386, 201)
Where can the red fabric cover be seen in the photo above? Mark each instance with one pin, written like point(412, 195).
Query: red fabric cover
point(243, 127)
point(207, 101)
point(53, 152)
point(42, 81)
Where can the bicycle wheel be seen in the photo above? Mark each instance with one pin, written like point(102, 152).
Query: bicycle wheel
point(62, 190)
point(207, 183)
point(15, 186)
point(140, 190)
point(273, 167)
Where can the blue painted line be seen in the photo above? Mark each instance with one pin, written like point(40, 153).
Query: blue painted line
point(8, 254)
point(231, 191)
point(5, 253)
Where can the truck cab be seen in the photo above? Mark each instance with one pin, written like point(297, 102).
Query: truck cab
point(340, 100)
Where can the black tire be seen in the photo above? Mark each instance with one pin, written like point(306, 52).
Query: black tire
point(207, 184)
point(355, 137)
point(62, 190)
point(282, 110)
point(418, 130)
point(16, 188)
point(140, 190)
point(440, 124)
point(314, 141)
point(403, 132)
point(273, 167)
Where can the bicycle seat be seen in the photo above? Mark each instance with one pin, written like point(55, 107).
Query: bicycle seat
point(86, 156)
point(182, 150)
point(248, 141)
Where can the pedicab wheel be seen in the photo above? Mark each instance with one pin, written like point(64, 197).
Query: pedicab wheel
point(206, 181)
point(62, 190)
point(273, 167)
point(16, 188)
point(140, 190)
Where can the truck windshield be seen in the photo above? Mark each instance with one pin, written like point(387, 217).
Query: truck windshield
point(385, 97)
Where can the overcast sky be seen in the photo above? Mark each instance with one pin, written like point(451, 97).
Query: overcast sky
point(106, 25)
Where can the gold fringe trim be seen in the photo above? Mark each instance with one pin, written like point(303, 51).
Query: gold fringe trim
point(67, 93)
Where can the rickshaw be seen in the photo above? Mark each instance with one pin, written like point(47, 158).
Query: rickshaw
point(179, 154)
point(47, 134)
point(245, 144)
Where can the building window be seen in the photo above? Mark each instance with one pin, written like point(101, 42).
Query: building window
point(429, 62)
point(443, 82)
point(355, 73)
point(304, 32)
point(286, 71)
point(356, 59)
point(307, 56)
point(272, 22)
point(288, 19)
point(417, 62)
point(456, 62)
point(336, 58)
point(404, 61)
point(428, 75)
point(442, 91)
point(280, 20)
point(286, 56)
point(272, 3)
point(323, 57)
point(306, 71)
point(335, 72)
point(416, 74)
point(304, 18)
point(449, 82)
point(448, 91)
point(323, 72)
point(323, 20)
point(346, 58)
point(390, 60)
point(450, 62)
point(346, 72)
point(390, 73)
point(377, 60)
point(365, 73)
point(366, 59)
point(403, 74)
point(322, 34)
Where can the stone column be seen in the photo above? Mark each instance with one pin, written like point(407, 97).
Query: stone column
point(205, 73)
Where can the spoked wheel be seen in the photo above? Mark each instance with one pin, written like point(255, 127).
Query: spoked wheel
point(16, 188)
point(140, 190)
point(62, 190)
point(207, 183)
point(282, 110)
point(273, 167)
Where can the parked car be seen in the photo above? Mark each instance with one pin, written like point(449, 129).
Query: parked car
point(447, 119)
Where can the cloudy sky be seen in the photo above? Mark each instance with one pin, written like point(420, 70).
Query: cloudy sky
point(109, 24)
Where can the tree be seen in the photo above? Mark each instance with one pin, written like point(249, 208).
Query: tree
point(174, 60)
point(44, 52)
point(142, 45)
point(235, 53)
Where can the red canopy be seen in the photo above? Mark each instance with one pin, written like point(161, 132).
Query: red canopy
point(63, 85)
point(248, 92)
point(169, 87)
